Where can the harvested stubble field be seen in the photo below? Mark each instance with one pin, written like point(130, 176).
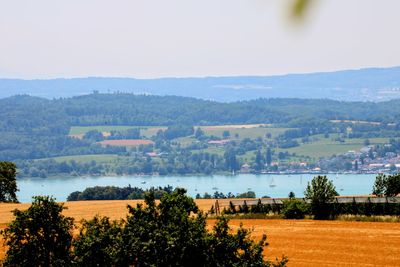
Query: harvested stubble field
point(305, 242)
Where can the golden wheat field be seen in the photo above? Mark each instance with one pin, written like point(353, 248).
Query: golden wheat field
point(305, 242)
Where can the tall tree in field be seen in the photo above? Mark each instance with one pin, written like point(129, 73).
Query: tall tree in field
point(379, 188)
point(231, 162)
point(388, 185)
point(258, 161)
point(8, 182)
point(320, 191)
point(268, 156)
point(39, 236)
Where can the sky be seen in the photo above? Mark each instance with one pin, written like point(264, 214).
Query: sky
point(179, 38)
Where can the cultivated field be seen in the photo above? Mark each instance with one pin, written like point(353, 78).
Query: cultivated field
point(317, 147)
point(324, 147)
point(243, 130)
point(147, 131)
point(99, 158)
point(251, 131)
point(305, 242)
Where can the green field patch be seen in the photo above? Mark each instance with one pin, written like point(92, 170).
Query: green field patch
point(211, 150)
point(185, 141)
point(325, 147)
point(101, 158)
point(146, 131)
point(244, 132)
point(248, 157)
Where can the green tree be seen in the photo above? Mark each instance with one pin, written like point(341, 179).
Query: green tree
point(258, 161)
point(39, 236)
point(248, 194)
point(198, 133)
point(174, 233)
point(321, 191)
point(226, 134)
point(8, 182)
point(294, 209)
point(388, 185)
point(236, 249)
point(231, 162)
point(268, 157)
point(393, 185)
point(165, 234)
point(379, 188)
point(94, 135)
point(98, 243)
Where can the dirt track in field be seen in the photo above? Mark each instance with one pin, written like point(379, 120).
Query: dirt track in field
point(305, 242)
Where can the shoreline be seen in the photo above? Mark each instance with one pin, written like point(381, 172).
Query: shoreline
point(63, 175)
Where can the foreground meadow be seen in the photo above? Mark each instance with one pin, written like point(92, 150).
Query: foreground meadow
point(305, 242)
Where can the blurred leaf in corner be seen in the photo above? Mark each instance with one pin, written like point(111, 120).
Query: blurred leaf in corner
point(299, 8)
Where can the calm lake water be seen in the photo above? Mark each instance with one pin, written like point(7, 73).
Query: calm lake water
point(60, 188)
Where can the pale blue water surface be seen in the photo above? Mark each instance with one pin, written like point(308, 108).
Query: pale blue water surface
point(60, 188)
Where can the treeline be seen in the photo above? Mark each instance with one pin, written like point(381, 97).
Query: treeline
point(297, 209)
point(96, 136)
point(179, 163)
point(220, 195)
point(117, 193)
point(128, 192)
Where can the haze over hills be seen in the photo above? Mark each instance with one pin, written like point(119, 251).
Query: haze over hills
point(372, 84)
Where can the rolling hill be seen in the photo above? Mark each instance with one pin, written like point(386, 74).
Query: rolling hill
point(373, 84)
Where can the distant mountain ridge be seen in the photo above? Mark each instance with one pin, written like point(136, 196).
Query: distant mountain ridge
point(372, 84)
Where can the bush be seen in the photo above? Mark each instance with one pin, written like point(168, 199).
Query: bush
point(248, 194)
point(294, 209)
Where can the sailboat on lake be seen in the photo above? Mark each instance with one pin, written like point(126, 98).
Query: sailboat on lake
point(272, 183)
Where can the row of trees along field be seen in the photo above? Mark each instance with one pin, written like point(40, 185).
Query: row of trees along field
point(321, 194)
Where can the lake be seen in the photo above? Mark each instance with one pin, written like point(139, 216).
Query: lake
point(60, 188)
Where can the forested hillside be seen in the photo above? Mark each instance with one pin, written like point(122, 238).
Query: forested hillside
point(33, 127)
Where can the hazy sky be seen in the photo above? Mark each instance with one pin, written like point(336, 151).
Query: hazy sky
point(148, 38)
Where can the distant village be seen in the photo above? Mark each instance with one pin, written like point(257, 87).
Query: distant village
point(366, 160)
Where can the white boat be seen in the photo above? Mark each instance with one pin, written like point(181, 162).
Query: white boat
point(143, 182)
point(272, 183)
